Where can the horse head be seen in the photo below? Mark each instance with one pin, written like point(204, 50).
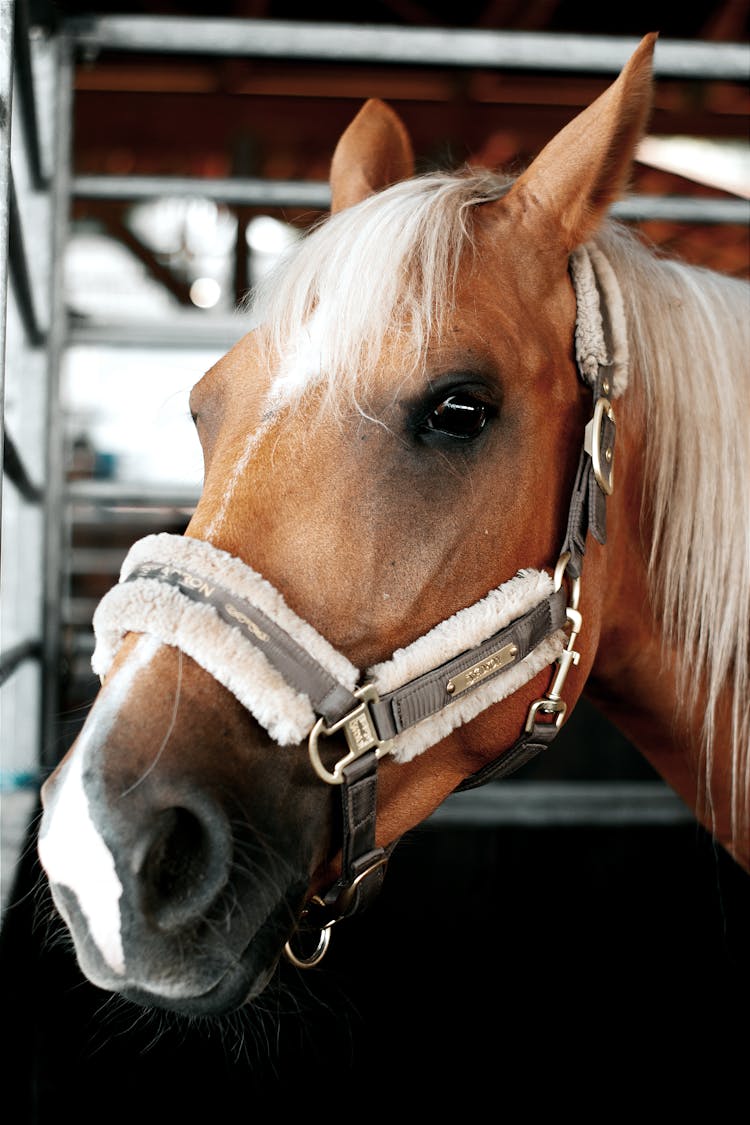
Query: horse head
point(389, 460)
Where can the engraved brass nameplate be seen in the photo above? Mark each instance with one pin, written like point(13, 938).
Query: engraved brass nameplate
point(483, 668)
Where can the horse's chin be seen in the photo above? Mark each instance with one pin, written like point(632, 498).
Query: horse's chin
point(236, 988)
point(207, 979)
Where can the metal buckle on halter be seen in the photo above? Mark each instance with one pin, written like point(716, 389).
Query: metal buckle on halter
point(360, 733)
point(338, 909)
point(599, 443)
point(552, 703)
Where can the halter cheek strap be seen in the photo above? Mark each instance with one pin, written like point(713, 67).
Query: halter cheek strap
point(238, 627)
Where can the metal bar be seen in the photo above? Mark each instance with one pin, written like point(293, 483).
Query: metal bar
point(403, 46)
point(6, 107)
point(135, 495)
point(15, 469)
point(19, 268)
point(317, 196)
point(19, 654)
point(240, 192)
point(563, 804)
point(27, 96)
point(188, 331)
point(54, 521)
point(682, 209)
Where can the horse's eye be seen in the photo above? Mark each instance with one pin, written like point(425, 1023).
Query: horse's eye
point(461, 416)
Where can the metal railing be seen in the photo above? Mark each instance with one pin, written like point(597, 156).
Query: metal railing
point(447, 48)
point(34, 86)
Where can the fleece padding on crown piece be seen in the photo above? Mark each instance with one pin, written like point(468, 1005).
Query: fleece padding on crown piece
point(593, 278)
point(143, 605)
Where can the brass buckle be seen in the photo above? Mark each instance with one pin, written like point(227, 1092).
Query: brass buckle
point(602, 460)
point(552, 703)
point(360, 733)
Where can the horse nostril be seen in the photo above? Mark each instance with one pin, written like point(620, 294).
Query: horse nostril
point(185, 867)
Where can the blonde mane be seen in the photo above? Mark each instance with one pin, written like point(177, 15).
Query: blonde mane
point(689, 340)
point(390, 264)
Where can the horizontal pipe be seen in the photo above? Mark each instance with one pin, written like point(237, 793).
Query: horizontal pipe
point(683, 209)
point(563, 804)
point(15, 470)
point(136, 495)
point(18, 655)
point(189, 331)
point(14, 781)
point(239, 192)
point(317, 196)
point(403, 46)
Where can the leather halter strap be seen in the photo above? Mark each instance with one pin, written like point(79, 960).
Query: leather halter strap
point(587, 512)
point(380, 717)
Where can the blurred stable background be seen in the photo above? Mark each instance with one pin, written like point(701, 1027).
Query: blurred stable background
point(156, 158)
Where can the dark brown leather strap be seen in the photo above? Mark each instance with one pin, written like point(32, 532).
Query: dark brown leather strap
point(521, 752)
point(363, 863)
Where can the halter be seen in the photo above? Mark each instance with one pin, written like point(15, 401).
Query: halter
point(237, 626)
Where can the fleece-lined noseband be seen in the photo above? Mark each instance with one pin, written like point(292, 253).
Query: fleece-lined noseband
point(237, 626)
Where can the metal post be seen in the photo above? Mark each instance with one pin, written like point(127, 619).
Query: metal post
point(7, 11)
point(55, 524)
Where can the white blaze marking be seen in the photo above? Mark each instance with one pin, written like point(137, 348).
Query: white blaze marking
point(302, 365)
point(71, 850)
point(251, 441)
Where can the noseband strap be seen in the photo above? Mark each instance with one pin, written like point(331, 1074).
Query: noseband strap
point(238, 627)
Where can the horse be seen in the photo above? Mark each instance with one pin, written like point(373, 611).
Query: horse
point(410, 470)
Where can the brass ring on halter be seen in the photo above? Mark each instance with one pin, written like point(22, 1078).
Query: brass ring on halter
point(321, 948)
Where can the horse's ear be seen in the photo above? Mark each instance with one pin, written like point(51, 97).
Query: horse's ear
point(582, 171)
point(373, 152)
